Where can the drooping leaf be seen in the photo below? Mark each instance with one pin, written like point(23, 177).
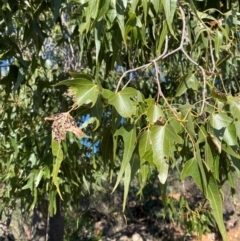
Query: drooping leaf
point(218, 42)
point(209, 153)
point(128, 134)
point(130, 24)
point(58, 153)
point(143, 176)
point(162, 37)
point(214, 198)
point(145, 143)
point(127, 179)
point(186, 115)
point(129, 175)
point(163, 138)
point(230, 135)
point(170, 8)
point(103, 8)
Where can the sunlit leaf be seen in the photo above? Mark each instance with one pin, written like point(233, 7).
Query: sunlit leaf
point(122, 101)
point(82, 90)
point(163, 138)
point(234, 103)
point(154, 112)
point(220, 120)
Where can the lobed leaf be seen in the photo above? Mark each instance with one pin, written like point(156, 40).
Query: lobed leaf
point(82, 90)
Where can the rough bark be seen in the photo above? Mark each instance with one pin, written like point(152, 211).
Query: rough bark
point(6, 233)
point(40, 222)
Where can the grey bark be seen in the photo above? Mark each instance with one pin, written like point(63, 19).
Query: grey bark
point(40, 222)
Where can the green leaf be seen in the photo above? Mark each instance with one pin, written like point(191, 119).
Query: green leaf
point(169, 10)
point(163, 35)
point(189, 81)
point(97, 112)
point(145, 10)
point(157, 5)
point(130, 24)
point(58, 153)
point(154, 112)
point(230, 150)
point(145, 143)
point(134, 5)
point(106, 93)
point(163, 138)
point(220, 120)
point(120, 7)
point(215, 201)
point(143, 176)
point(127, 179)
point(98, 34)
point(237, 127)
point(77, 75)
point(234, 103)
point(191, 169)
point(230, 135)
point(186, 115)
point(209, 153)
point(83, 90)
point(128, 134)
point(218, 42)
point(122, 102)
point(39, 177)
point(103, 8)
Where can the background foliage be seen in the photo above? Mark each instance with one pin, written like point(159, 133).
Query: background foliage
point(158, 80)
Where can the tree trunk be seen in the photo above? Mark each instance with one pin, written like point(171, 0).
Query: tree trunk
point(56, 224)
point(40, 222)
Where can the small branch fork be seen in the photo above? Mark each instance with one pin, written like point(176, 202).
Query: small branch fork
point(165, 55)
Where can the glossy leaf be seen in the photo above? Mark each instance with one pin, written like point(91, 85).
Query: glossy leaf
point(163, 138)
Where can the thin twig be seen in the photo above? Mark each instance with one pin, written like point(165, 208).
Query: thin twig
point(211, 53)
point(165, 55)
point(142, 66)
